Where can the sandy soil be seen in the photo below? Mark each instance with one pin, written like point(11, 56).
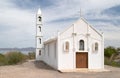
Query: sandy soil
point(32, 69)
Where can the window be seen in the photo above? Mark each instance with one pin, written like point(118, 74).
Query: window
point(81, 45)
point(96, 46)
point(40, 28)
point(39, 52)
point(40, 18)
point(40, 40)
point(66, 46)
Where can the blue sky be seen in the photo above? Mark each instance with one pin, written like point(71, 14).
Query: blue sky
point(17, 19)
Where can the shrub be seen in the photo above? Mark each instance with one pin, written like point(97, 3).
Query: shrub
point(111, 63)
point(3, 60)
point(31, 55)
point(109, 51)
point(106, 61)
point(15, 57)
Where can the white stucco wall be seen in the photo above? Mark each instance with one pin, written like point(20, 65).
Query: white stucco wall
point(38, 32)
point(67, 60)
point(39, 57)
point(39, 43)
point(50, 54)
point(81, 28)
point(96, 59)
point(39, 47)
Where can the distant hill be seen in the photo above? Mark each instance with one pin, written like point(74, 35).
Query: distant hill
point(18, 49)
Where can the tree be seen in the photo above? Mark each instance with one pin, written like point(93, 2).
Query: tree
point(118, 50)
point(109, 51)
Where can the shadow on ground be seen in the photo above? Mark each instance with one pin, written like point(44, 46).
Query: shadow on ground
point(42, 65)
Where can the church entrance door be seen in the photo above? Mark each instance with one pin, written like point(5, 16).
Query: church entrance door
point(81, 60)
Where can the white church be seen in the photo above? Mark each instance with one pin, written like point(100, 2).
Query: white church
point(78, 46)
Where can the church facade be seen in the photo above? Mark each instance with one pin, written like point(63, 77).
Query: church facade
point(78, 46)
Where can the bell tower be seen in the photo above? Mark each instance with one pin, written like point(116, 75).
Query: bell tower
point(39, 36)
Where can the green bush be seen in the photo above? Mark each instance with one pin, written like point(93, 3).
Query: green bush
point(109, 51)
point(15, 57)
point(111, 63)
point(3, 60)
point(116, 64)
point(31, 55)
point(106, 61)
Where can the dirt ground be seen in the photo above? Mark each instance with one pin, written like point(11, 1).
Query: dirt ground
point(32, 69)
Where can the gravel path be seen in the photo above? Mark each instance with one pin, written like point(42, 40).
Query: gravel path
point(33, 69)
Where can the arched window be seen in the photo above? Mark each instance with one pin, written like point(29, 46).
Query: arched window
point(81, 45)
point(39, 52)
point(66, 46)
point(40, 28)
point(96, 46)
point(39, 18)
point(40, 40)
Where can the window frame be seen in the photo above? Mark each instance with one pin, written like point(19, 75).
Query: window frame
point(39, 52)
point(96, 46)
point(81, 42)
point(40, 40)
point(66, 46)
point(39, 18)
point(40, 28)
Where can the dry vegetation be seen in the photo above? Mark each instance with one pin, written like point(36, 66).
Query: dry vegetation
point(11, 58)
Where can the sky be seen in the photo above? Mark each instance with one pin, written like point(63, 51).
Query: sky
point(18, 19)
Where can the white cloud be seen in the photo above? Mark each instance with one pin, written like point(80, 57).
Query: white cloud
point(19, 26)
point(21, 22)
point(70, 8)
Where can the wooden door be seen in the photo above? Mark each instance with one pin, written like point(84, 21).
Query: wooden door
point(81, 60)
